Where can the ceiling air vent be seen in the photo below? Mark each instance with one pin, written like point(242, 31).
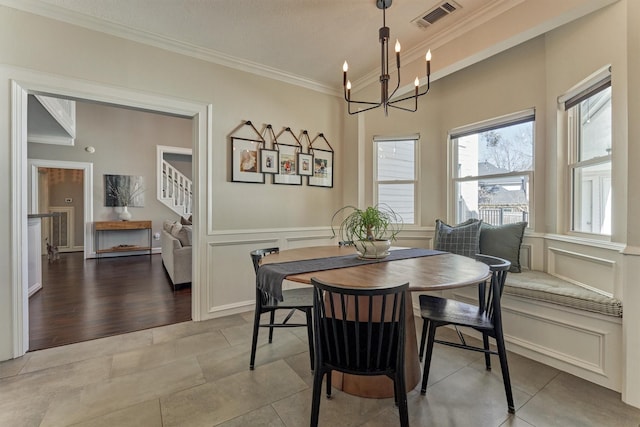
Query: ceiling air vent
point(432, 16)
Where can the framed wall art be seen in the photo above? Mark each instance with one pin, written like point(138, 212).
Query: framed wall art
point(322, 163)
point(322, 175)
point(269, 161)
point(288, 160)
point(305, 164)
point(244, 161)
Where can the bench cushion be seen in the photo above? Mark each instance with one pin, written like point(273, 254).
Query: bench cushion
point(545, 287)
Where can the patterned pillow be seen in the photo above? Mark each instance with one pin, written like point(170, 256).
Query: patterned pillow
point(503, 241)
point(461, 239)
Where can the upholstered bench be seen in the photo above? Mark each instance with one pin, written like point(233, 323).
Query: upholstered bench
point(545, 287)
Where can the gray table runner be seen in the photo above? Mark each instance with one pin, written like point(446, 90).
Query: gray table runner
point(270, 276)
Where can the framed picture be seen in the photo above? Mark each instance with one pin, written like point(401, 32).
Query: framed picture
point(287, 166)
point(305, 164)
point(269, 161)
point(124, 190)
point(244, 161)
point(322, 169)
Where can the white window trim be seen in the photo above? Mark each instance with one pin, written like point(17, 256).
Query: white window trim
point(452, 154)
point(584, 86)
point(416, 181)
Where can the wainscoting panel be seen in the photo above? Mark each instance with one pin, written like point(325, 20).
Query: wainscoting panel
point(592, 272)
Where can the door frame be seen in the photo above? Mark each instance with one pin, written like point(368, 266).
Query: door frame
point(87, 193)
point(24, 82)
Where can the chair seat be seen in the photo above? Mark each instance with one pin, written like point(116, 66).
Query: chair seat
point(447, 311)
point(293, 298)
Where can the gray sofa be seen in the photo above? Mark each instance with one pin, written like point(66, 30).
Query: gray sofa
point(176, 251)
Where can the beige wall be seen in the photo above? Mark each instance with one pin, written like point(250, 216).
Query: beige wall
point(67, 184)
point(66, 50)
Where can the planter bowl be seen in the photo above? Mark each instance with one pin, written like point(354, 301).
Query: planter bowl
point(373, 248)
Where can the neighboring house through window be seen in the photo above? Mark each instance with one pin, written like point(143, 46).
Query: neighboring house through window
point(492, 169)
point(396, 177)
point(588, 115)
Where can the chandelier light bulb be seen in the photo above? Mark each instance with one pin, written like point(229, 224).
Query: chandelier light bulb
point(427, 56)
point(416, 82)
point(345, 67)
point(348, 84)
point(397, 46)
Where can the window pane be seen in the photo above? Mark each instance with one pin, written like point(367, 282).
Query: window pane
point(496, 201)
point(400, 198)
point(595, 125)
point(502, 150)
point(592, 199)
point(396, 160)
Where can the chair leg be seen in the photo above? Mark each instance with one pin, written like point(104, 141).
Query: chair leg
point(487, 355)
point(423, 339)
point(272, 320)
point(427, 358)
point(329, 384)
point(310, 336)
point(506, 379)
point(254, 340)
point(315, 400)
point(400, 390)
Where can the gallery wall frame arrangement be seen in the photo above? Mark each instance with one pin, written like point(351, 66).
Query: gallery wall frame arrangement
point(282, 156)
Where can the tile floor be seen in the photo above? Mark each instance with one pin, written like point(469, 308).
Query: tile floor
point(196, 374)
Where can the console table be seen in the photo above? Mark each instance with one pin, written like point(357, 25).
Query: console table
point(102, 227)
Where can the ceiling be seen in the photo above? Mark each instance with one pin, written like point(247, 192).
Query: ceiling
point(299, 40)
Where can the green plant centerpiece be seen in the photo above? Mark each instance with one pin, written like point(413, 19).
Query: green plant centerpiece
point(371, 230)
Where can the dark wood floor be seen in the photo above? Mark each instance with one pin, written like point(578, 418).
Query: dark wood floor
point(87, 299)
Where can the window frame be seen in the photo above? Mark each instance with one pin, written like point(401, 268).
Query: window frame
point(592, 85)
point(416, 173)
point(524, 116)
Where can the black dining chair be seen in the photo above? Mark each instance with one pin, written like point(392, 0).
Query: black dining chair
point(300, 299)
point(360, 332)
point(486, 317)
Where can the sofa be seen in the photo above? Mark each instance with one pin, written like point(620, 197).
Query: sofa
point(176, 239)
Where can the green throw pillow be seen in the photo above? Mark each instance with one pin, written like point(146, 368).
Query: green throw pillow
point(461, 239)
point(503, 241)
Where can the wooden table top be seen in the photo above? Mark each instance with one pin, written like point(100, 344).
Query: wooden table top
point(430, 273)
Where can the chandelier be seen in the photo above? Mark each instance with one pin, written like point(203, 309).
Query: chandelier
point(385, 97)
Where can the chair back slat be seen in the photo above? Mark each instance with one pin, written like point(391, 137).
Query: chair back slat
point(489, 298)
point(359, 331)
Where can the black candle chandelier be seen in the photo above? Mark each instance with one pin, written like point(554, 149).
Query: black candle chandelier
point(385, 97)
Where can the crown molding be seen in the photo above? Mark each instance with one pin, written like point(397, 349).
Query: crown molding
point(156, 40)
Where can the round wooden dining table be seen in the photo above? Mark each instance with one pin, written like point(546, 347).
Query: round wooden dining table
point(425, 273)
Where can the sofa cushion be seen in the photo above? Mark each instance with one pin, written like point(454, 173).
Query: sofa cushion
point(167, 224)
point(461, 239)
point(542, 286)
point(503, 241)
point(182, 233)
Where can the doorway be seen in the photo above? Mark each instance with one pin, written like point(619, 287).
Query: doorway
point(69, 88)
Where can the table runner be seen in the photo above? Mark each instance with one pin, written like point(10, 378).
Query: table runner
point(270, 276)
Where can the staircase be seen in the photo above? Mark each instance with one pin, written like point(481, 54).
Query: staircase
point(175, 190)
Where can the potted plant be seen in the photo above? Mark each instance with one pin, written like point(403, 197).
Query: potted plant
point(371, 229)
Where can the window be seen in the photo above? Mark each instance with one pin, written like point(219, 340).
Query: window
point(589, 143)
point(396, 176)
point(493, 169)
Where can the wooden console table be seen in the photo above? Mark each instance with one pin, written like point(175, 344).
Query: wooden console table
point(122, 226)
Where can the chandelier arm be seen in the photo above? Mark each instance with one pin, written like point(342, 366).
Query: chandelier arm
point(409, 97)
point(362, 111)
point(351, 101)
point(404, 108)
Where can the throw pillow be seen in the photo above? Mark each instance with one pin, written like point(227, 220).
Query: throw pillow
point(461, 239)
point(182, 233)
point(185, 221)
point(503, 241)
